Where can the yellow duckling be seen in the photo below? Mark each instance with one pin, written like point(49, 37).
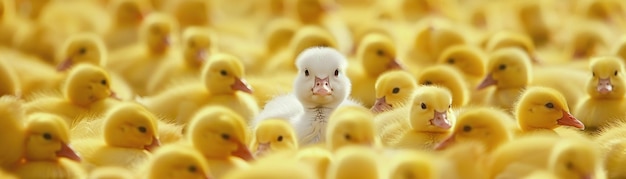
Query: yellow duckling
point(138, 62)
point(9, 83)
point(465, 160)
point(533, 19)
point(354, 162)
point(394, 90)
point(350, 125)
point(413, 164)
point(197, 47)
point(505, 39)
point(488, 126)
point(273, 135)
point(620, 48)
point(177, 161)
point(566, 157)
point(612, 141)
point(12, 131)
point(430, 40)
point(86, 91)
point(543, 109)
point(47, 139)
point(220, 135)
point(376, 55)
point(587, 39)
point(222, 84)
point(429, 120)
point(191, 12)
point(605, 93)
point(125, 21)
point(277, 35)
point(446, 77)
point(468, 59)
point(317, 158)
point(128, 137)
point(111, 172)
point(274, 168)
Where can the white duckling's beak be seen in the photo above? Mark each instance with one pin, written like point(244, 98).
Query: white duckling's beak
point(322, 87)
point(262, 149)
point(604, 86)
point(441, 120)
point(67, 152)
point(242, 85)
point(155, 144)
point(488, 81)
point(66, 64)
point(242, 151)
point(569, 120)
point(381, 105)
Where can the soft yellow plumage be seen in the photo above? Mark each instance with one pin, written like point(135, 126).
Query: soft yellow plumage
point(394, 90)
point(273, 135)
point(350, 125)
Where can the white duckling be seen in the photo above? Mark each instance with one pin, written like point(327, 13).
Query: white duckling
point(320, 87)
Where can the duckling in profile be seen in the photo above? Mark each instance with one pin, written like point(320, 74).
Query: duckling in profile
point(273, 135)
point(177, 161)
point(543, 108)
point(394, 90)
point(350, 125)
point(485, 125)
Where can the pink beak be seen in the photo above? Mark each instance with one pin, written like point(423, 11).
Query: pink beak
point(381, 105)
point(446, 143)
point(114, 96)
point(201, 56)
point(569, 120)
point(66, 64)
point(242, 151)
point(67, 152)
point(441, 120)
point(604, 86)
point(262, 149)
point(322, 87)
point(488, 81)
point(154, 145)
point(241, 85)
point(394, 65)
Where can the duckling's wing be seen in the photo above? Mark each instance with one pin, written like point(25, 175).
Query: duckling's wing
point(285, 107)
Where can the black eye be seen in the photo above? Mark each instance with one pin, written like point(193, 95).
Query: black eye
point(593, 73)
point(192, 169)
point(467, 128)
point(380, 52)
point(423, 106)
point(192, 44)
point(569, 165)
point(502, 67)
point(451, 60)
point(47, 136)
point(428, 83)
point(395, 90)
point(306, 72)
point(615, 73)
point(280, 138)
point(549, 105)
point(449, 105)
point(142, 129)
point(225, 136)
point(223, 72)
point(82, 51)
point(348, 137)
point(336, 72)
point(103, 82)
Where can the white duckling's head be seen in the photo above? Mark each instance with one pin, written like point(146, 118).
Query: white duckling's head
point(47, 138)
point(81, 48)
point(321, 80)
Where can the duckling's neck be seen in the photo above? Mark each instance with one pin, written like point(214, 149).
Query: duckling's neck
point(317, 119)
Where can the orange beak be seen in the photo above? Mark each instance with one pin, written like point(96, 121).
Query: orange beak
point(67, 152)
point(569, 120)
point(154, 145)
point(394, 65)
point(446, 143)
point(66, 64)
point(488, 81)
point(441, 120)
point(241, 85)
point(242, 151)
point(381, 105)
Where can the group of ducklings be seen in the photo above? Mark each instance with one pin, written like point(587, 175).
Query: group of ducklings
point(445, 88)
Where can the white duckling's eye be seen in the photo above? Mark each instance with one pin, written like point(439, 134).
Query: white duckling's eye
point(467, 128)
point(380, 52)
point(192, 169)
point(337, 72)
point(47, 136)
point(142, 129)
point(280, 138)
point(82, 50)
point(549, 105)
point(423, 106)
point(103, 82)
point(306, 72)
point(502, 67)
point(451, 60)
point(395, 90)
point(347, 137)
point(428, 82)
point(615, 73)
point(225, 136)
point(223, 72)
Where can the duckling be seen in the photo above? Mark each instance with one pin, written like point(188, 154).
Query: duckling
point(128, 137)
point(394, 90)
point(354, 162)
point(612, 144)
point(12, 135)
point(468, 59)
point(111, 173)
point(86, 91)
point(543, 108)
point(154, 48)
point(449, 78)
point(320, 87)
point(608, 11)
point(504, 39)
point(177, 161)
point(605, 93)
point(567, 157)
point(465, 160)
point(192, 12)
point(317, 12)
point(222, 84)
point(197, 47)
point(429, 116)
point(488, 126)
point(586, 39)
point(47, 140)
point(273, 135)
point(413, 164)
point(125, 21)
point(532, 17)
point(620, 48)
point(376, 54)
point(350, 125)
point(220, 135)
point(9, 83)
point(317, 158)
point(274, 168)
point(429, 41)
